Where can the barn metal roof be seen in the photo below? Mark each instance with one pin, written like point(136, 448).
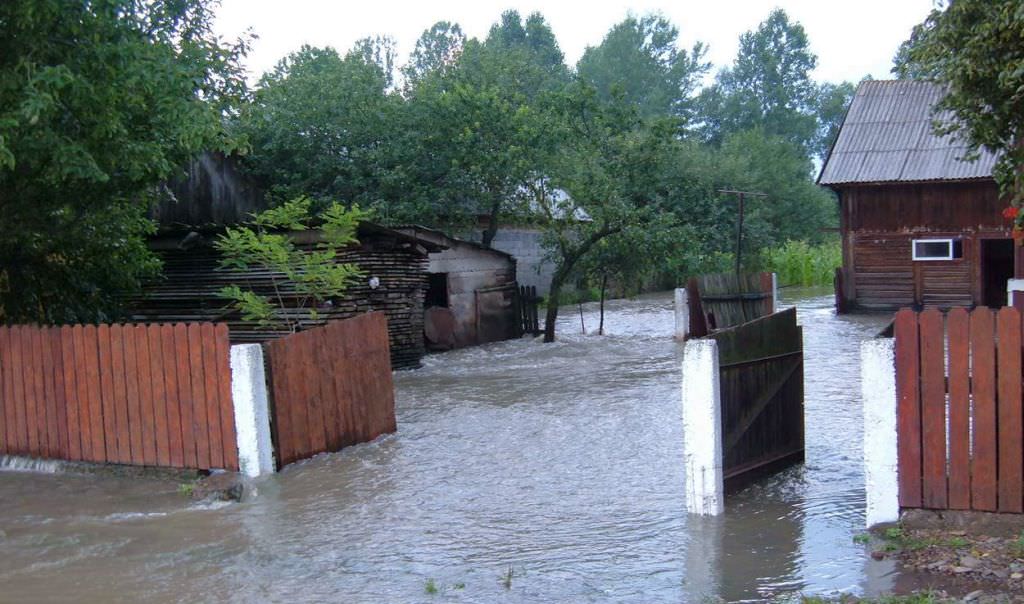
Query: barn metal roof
point(887, 137)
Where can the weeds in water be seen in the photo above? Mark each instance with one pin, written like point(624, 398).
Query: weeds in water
point(1017, 547)
point(924, 597)
point(431, 587)
point(186, 488)
point(459, 586)
point(862, 539)
point(507, 579)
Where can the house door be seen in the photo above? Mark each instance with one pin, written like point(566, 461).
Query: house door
point(996, 269)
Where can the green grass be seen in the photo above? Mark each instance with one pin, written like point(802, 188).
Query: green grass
point(799, 263)
point(430, 587)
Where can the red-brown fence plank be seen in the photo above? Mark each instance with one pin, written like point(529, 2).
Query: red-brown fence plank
point(136, 429)
point(161, 440)
point(29, 369)
point(59, 390)
point(147, 411)
point(120, 400)
point(71, 403)
point(983, 391)
point(282, 428)
point(176, 444)
point(42, 408)
point(54, 450)
point(227, 410)
point(296, 397)
point(199, 414)
point(6, 393)
point(109, 396)
point(87, 349)
point(933, 410)
point(312, 372)
point(958, 329)
point(186, 407)
point(337, 336)
point(328, 390)
point(208, 345)
point(1010, 451)
point(21, 388)
point(908, 408)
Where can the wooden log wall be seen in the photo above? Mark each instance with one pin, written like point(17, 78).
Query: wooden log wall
point(144, 395)
point(191, 281)
point(332, 387)
point(762, 393)
point(959, 413)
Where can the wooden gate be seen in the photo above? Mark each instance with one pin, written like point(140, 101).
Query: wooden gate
point(527, 302)
point(959, 434)
point(331, 387)
point(146, 395)
point(726, 300)
point(761, 376)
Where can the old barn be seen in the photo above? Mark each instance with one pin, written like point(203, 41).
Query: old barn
point(471, 296)
point(921, 224)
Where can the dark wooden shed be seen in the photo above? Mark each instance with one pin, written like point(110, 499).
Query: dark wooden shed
point(215, 195)
point(921, 224)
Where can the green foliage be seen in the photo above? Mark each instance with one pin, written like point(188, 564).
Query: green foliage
point(639, 60)
point(100, 102)
point(974, 48)
point(269, 245)
point(798, 263)
point(430, 587)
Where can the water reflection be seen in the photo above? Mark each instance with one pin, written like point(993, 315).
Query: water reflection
point(560, 462)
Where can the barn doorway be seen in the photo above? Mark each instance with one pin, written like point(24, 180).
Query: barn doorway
point(437, 290)
point(996, 269)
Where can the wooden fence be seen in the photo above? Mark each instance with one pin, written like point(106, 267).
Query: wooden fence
point(150, 395)
point(331, 387)
point(726, 300)
point(960, 433)
point(761, 379)
point(527, 302)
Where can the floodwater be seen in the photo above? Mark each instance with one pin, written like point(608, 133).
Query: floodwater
point(521, 472)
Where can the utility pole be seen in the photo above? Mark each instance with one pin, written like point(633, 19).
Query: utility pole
point(739, 221)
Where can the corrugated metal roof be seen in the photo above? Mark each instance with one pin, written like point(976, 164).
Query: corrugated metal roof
point(887, 137)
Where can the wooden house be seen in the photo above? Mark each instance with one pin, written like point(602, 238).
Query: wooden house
point(471, 293)
point(921, 225)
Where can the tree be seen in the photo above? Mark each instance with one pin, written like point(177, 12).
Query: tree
point(99, 103)
point(640, 59)
point(974, 48)
point(318, 123)
point(768, 86)
point(605, 180)
point(832, 102)
point(314, 274)
point(437, 49)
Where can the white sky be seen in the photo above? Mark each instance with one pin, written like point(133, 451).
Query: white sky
point(851, 39)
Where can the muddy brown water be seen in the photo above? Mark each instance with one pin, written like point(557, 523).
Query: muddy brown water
point(521, 472)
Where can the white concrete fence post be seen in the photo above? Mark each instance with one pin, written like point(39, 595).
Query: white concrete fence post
point(775, 292)
point(682, 314)
point(1014, 288)
point(878, 393)
point(252, 411)
point(702, 428)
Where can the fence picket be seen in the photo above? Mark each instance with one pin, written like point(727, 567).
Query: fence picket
point(908, 408)
point(1010, 451)
point(983, 391)
point(933, 410)
point(958, 328)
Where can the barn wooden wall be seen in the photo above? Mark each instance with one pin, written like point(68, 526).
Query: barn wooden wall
point(191, 279)
point(878, 224)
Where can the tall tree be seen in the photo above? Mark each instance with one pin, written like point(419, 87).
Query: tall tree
point(832, 102)
point(317, 125)
point(99, 103)
point(437, 49)
point(640, 60)
point(768, 86)
point(974, 48)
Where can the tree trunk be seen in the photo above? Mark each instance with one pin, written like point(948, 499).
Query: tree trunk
point(552, 311)
point(604, 286)
point(492, 226)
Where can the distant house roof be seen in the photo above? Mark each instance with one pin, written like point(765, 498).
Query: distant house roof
point(887, 137)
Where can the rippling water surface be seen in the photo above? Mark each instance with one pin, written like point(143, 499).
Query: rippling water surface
point(521, 472)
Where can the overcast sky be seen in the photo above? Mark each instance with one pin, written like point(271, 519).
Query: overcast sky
point(851, 39)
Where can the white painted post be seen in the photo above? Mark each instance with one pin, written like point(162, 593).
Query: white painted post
point(252, 411)
point(702, 428)
point(682, 314)
point(878, 392)
point(1014, 285)
point(775, 292)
